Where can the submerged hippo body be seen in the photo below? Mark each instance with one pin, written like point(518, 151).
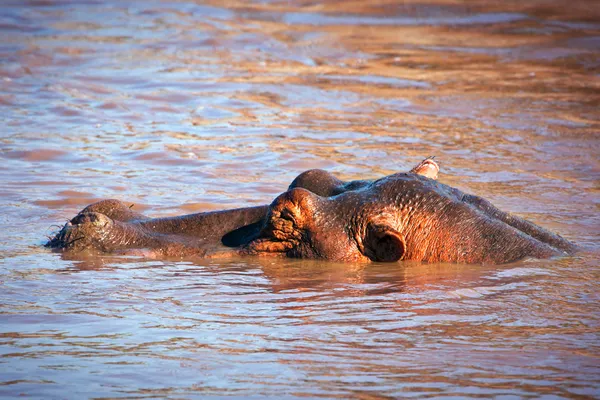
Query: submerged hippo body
point(405, 216)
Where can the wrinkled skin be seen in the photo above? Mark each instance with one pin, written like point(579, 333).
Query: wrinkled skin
point(405, 216)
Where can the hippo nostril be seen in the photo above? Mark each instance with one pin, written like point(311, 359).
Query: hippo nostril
point(78, 219)
point(383, 243)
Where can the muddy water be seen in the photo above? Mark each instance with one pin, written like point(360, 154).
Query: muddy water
point(179, 107)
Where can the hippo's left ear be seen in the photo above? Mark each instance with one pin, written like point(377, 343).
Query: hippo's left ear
point(383, 243)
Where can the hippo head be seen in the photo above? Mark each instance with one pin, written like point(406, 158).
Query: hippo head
point(405, 216)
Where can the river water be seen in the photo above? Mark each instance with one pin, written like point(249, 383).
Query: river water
point(179, 107)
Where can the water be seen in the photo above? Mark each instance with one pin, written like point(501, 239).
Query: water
point(180, 107)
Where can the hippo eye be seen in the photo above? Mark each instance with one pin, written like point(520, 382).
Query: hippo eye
point(383, 243)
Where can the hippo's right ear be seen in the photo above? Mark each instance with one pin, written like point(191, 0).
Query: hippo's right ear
point(383, 243)
point(427, 167)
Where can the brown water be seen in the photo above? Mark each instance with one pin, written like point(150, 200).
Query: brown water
point(180, 107)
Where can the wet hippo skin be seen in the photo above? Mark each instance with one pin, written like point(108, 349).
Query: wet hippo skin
point(404, 216)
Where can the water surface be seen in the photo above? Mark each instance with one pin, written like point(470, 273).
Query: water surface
point(180, 107)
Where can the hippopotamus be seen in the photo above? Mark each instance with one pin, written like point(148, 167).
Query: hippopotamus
point(404, 216)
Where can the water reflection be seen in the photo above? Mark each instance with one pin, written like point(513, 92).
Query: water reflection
point(180, 107)
point(296, 320)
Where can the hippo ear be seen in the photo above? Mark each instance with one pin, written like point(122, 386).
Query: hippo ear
point(427, 167)
point(383, 243)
